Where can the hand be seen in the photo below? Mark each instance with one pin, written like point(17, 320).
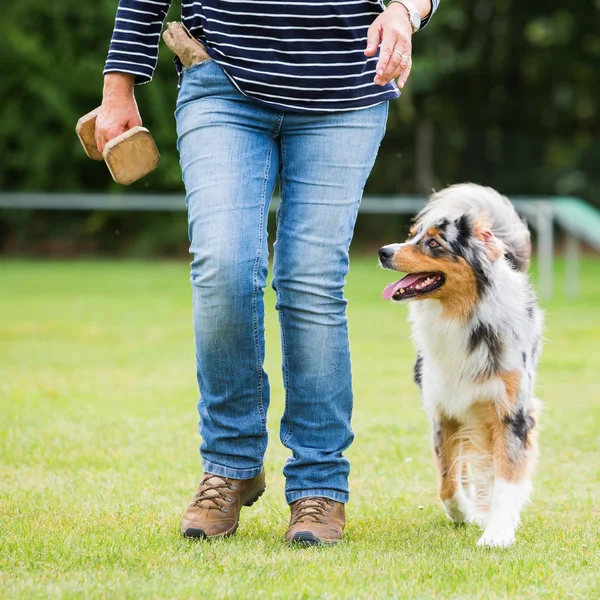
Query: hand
point(392, 28)
point(119, 111)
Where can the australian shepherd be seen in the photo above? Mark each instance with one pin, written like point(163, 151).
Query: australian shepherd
point(477, 328)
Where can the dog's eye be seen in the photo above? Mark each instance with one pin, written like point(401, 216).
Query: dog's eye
point(432, 243)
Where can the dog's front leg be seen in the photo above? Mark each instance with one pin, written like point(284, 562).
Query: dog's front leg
point(446, 444)
point(515, 451)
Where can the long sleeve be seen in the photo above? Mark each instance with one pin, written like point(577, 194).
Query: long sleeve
point(434, 7)
point(134, 44)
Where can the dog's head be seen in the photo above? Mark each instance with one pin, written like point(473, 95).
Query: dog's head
point(445, 258)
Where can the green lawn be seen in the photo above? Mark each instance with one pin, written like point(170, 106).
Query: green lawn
point(98, 454)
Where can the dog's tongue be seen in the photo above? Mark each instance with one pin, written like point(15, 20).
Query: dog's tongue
point(407, 280)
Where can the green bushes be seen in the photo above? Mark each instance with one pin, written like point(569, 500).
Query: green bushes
point(502, 92)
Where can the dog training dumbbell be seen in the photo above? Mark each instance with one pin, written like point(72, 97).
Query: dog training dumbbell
point(128, 157)
point(133, 154)
point(184, 45)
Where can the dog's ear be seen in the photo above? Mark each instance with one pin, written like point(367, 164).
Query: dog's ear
point(482, 230)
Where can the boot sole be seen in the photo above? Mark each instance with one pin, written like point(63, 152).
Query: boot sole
point(308, 538)
point(199, 534)
point(253, 500)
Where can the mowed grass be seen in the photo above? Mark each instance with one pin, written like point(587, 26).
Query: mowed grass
point(98, 453)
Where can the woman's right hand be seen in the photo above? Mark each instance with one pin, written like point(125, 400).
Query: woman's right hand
point(119, 111)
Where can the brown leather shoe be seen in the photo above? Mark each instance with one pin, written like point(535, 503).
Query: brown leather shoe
point(316, 521)
point(215, 509)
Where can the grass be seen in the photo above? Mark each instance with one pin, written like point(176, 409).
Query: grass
point(98, 454)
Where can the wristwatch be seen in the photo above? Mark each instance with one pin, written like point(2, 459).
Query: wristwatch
point(413, 15)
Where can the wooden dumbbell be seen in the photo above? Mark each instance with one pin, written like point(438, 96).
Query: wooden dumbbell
point(128, 157)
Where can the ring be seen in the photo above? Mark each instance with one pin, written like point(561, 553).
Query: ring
point(404, 56)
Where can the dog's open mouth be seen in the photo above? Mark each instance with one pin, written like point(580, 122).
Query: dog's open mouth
point(412, 285)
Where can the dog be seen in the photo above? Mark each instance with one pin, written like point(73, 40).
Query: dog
point(477, 328)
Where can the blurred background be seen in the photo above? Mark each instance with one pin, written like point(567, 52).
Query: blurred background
point(503, 93)
point(98, 436)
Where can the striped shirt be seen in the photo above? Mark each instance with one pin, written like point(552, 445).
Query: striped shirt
point(301, 55)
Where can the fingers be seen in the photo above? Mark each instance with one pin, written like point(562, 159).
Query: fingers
point(385, 56)
point(103, 133)
point(373, 38)
point(111, 123)
point(394, 31)
point(135, 121)
point(398, 66)
point(404, 73)
point(394, 60)
point(99, 137)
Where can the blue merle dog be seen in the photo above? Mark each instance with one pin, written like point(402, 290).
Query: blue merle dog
point(477, 328)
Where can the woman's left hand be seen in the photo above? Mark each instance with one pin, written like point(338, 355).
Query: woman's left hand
point(393, 30)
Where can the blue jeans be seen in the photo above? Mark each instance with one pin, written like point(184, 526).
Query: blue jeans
point(232, 152)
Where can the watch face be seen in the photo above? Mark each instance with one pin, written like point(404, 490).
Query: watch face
point(415, 20)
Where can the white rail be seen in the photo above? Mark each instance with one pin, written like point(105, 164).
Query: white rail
point(538, 212)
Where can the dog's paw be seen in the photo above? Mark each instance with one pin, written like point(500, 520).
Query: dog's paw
point(455, 509)
point(497, 536)
point(479, 518)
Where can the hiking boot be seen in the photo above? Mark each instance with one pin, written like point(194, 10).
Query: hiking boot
point(215, 509)
point(316, 521)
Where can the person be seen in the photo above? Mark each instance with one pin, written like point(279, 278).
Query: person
point(295, 91)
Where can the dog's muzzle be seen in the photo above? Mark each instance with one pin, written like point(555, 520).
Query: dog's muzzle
point(386, 254)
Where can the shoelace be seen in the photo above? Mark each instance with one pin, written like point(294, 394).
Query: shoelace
point(213, 493)
point(311, 509)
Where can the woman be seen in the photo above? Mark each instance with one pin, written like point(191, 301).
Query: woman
point(295, 91)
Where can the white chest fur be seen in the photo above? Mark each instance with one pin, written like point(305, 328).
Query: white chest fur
point(453, 364)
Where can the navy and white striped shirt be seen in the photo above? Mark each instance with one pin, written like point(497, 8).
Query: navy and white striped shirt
point(301, 55)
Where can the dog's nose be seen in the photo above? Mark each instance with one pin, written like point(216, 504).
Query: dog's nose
point(385, 253)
